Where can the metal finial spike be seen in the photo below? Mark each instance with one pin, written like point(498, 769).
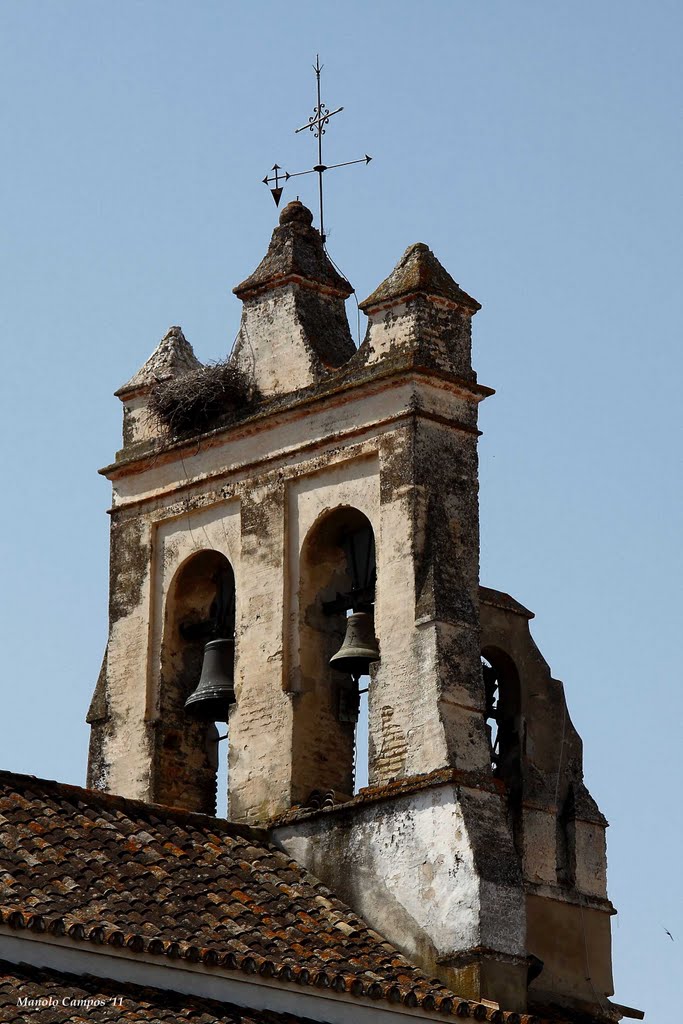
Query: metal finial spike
point(316, 123)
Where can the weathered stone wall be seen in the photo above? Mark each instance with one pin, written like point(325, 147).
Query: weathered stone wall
point(434, 871)
point(294, 327)
point(275, 346)
point(146, 746)
point(259, 772)
point(121, 757)
point(437, 334)
point(253, 494)
point(426, 700)
point(561, 832)
point(574, 942)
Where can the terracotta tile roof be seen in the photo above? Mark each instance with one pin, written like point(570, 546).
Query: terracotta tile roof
point(110, 871)
point(72, 998)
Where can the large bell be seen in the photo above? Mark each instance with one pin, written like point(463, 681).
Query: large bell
point(215, 691)
point(360, 646)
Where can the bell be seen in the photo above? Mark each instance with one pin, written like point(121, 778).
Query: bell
point(215, 691)
point(360, 646)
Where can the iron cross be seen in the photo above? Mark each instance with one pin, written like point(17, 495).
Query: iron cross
point(316, 123)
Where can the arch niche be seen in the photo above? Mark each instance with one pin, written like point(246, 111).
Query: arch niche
point(326, 706)
point(504, 727)
point(200, 605)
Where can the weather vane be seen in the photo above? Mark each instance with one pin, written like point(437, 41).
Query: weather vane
point(316, 124)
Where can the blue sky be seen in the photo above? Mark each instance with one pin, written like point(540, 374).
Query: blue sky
point(536, 148)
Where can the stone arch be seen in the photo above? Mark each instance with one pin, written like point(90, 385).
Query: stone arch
point(326, 704)
point(199, 606)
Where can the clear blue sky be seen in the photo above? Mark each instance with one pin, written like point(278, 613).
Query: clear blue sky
point(536, 147)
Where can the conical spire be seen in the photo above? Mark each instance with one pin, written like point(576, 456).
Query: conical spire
point(421, 316)
point(295, 253)
point(172, 357)
point(418, 272)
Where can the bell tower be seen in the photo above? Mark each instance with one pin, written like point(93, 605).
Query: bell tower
point(312, 508)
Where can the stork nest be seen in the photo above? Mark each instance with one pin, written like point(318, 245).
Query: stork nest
point(201, 399)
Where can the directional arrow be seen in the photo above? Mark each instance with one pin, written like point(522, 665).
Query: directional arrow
point(319, 168)
point(276, 178)
point(347, 163)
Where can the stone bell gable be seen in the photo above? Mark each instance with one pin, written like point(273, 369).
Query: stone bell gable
point(476, 848)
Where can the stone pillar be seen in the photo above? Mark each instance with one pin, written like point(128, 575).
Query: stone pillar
point(294, 328)
point(259, 773)
point(427, 697)
point(121, 742)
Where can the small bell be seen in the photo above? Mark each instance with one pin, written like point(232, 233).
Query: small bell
point(215, 691)
point(360, 646)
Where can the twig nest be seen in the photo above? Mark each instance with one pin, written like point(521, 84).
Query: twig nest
point(201, 399)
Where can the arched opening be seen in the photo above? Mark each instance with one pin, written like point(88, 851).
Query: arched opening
point(336, 645)
point(200, 608)
point(504, 728)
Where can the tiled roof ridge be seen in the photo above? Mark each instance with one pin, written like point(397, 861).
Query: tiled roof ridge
point(436, 998)
point(260, 836)
point(143, 808)
point(336, 908)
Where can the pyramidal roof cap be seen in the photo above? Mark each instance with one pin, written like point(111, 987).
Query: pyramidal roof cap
point(295, 253)
point(172, 357)
point(419, 272)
